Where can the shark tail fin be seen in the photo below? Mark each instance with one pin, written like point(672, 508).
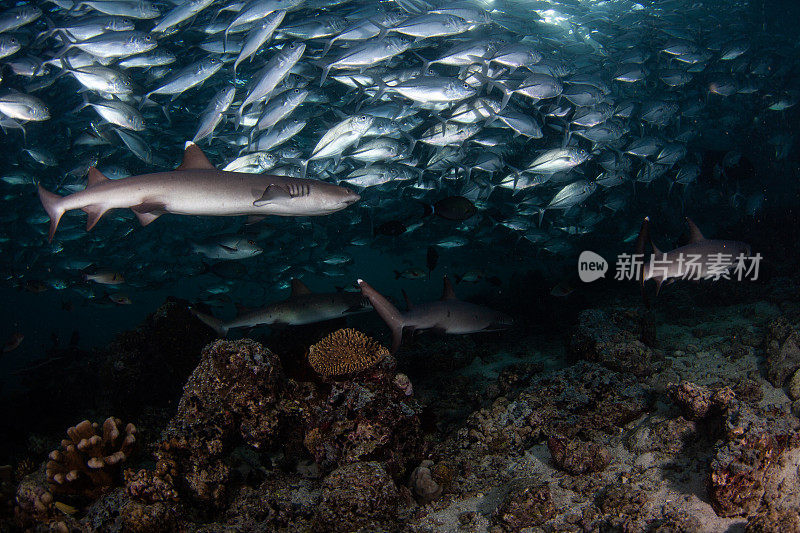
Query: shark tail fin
point(388, 312)
point(212, 322)
point(52, 204)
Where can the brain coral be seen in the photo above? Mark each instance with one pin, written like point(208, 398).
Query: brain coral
point(344, 352)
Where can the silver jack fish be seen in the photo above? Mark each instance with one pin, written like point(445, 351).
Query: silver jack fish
point(196, 187)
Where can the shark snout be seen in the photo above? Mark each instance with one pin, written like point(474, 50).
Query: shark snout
point(351, 197)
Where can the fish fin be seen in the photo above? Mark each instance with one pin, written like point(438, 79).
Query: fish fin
point(298, 287)
point(644, 235)
point(409, 305)
point(388, 312)
point(656, 251)
point(146, 217)
point(254, 219)
point(146, 213)
point(694, 232)
point(212, 322)
point(659, 282)
point(272, 194)
point(95, 178)
point(448, 293)
point(397, 274)
point(228, 249)
point(95, 213)
point(194, 158)
point(52, 204)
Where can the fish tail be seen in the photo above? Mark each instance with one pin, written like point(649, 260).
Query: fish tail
point(52, 204)
point(388, 312)
point(212, 322)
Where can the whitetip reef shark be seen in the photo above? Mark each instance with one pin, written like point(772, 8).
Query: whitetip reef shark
point(197, 187)
point(674, 264)
point(448, 315)
point(302, 307)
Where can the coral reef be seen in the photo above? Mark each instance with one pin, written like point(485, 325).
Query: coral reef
point(151, 486)
point(525, 507)
point(748, 457)
point(620, 339)
point(90, 461)
point(232, 395)
point(578, 457)
point(782, 345)
point(357, 496)
point(597, 401)
point(345, 351)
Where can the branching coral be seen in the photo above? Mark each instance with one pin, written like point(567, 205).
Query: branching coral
point(344, 352)
point(89, 461)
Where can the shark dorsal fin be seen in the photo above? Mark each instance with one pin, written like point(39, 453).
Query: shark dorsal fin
point(95, 178)
point(694, 231)
point(298, 287)
point(448, 293)
point(195, 159)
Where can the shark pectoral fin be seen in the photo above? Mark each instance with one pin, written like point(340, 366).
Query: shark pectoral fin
point(95, 212)
point(254, 219)
point(273, 194)
point(146, 213)
point(195, 159)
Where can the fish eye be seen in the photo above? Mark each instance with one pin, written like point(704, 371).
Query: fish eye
point(251, 243)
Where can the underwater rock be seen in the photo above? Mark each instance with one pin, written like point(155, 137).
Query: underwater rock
point(621, 504)
point(794, 386)
point(116, 511)
point(749, 456)
point(232, 395)
point(694, 400)
point(90, 461)
point(782, 345)
point(577, 457)
point(345, 351)
point(657, 434)
point(366, 417)
point(585, 399)
point(525, 507)
point(422, 483)
point(780, 520)
point(618, 338)
point(356, 496)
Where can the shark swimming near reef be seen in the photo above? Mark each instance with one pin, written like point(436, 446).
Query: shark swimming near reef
point(448, 315)
point(700, 259)
point(197, 187)
point(302, 307)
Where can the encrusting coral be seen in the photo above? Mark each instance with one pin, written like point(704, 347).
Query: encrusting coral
point(345, 351)
point(89, 461)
